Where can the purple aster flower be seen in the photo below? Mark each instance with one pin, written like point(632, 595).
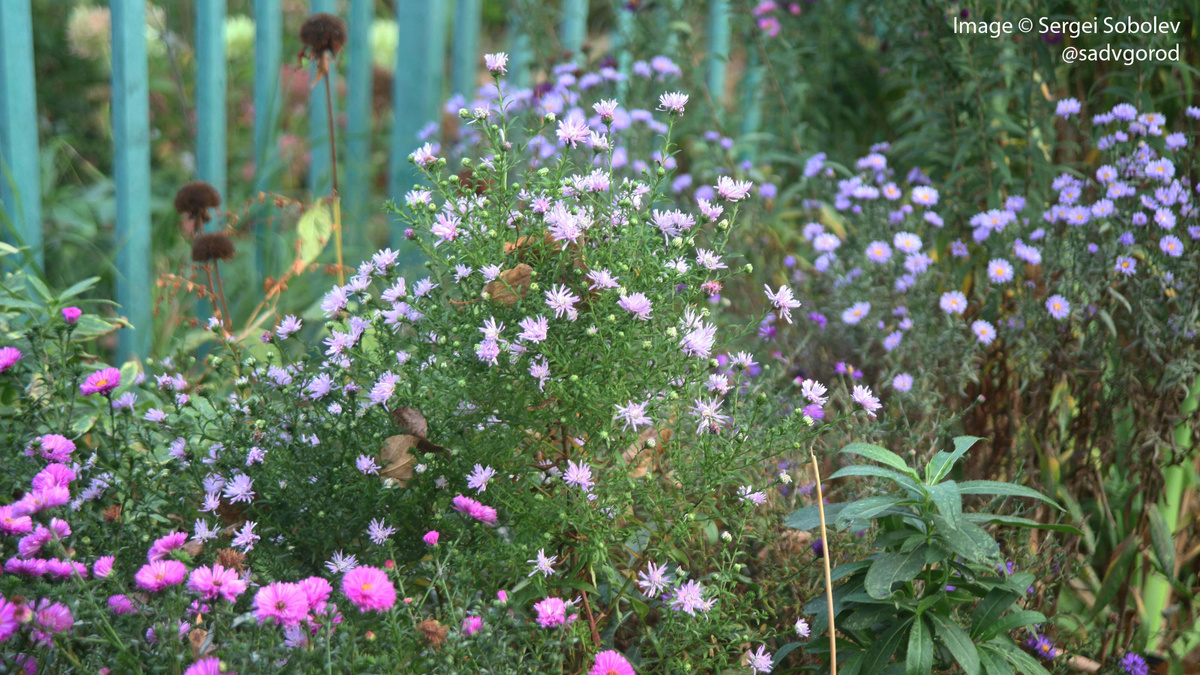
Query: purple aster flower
point(953, 302)
point(1000, 271)
point(984, 331)
point(1134, 664)
point(878, 251)
point(1171, 245)
point(902, 382)
point(634, 414)
point(496, 63)
point(688, 597)
point(672, 102)
point(1067, 107)
point(863, 396)
point(579, 475)
point(637, 304)
point(1058, 306)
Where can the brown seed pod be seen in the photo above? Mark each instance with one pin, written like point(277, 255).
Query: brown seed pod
point(323, 33)
point(195, 199)
point(231, 559)
point(212, 246)
point(434, 632)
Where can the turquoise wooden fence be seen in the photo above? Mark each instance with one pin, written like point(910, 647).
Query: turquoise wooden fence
point(418, 86)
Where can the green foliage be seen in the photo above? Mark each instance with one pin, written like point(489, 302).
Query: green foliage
point(937, 588)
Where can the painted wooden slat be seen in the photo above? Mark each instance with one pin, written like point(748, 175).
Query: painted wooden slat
point(417, 88)
point(20, 187)
point(465, 70)
point(131, 169)
point(574, 26)
point(356, 189)
point(718, 50)
point(626, 24)
point(752, 100)
point(268, 50)
point(518, 51)
point(319, 176)
point(210, 97)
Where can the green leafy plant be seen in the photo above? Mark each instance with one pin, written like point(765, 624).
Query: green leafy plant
point(937, 590)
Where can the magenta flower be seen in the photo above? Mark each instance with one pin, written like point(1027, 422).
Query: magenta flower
point(316, 592)
point(863, 396)
point(484, 514)
point(283, 602)
point(369, 589)
point(121, 604)
point(783, 300)
point(472, 625)
point(207, 666)
point(101, 382)
point(431, 537)
point(54, 448)
point(159, 574)
point(551, 612)
point(611, 663)
point(71, 314)
point(216, 582)
point(51, 618)
point(164, 545)
point(8, 619)
point(8, 356)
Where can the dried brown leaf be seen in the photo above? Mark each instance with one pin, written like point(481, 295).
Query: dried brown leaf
point(411, 421)
point(512, 285)
point(397, 458)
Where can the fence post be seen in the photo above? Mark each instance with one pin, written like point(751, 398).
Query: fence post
point(518, 52)
point(357, 188)
point(319, 177)
point(210, 96)
point(752, 100)
point(718, 51)
point(268, 49)
point(468, 14)
point(574, 26)
point(131, 169)
point(20, 187)
point(417, 89)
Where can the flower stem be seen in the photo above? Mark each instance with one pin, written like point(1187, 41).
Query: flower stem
point(825, 556)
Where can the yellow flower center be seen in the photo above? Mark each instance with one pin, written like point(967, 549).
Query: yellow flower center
point(101, 382)
point(366, 588)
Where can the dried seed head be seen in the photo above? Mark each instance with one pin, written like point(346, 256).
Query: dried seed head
point(231, 559)
point(434, 632)
point(212, 246)
point(322, 33)
point(195, 199)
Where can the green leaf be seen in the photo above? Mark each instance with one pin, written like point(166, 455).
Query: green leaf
point(878, 454)
point(314, 228)
point(1022, 661)
point(993, 664)
point(991, 608)
point(920, 650)
point(783, 651)
point(39, 287)
point(849, 568)
point(1162, 541)
point(948, 501)
point(809, 517)
point(994, 487)
point(877, 472)
point(968, 540)
point(880, 652)
point(893, 568)
point(78, 288)
point(864, 509)
point(957, 641)
point(1017, 521)
point(941, 464)
point(1117, 574)
point(1011, 622)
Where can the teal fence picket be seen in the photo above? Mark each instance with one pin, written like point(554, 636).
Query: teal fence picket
point(319, 175)
point(518, 51)
point(20, 187)
point(210, 97)
point(131, 169)
point(357, 188)
point(467, 16)
point(718, 51)
point(268, 50)
point(574, 26)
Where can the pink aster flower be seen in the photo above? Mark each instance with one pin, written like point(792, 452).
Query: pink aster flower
point(51, 618)
point(573, 131)
point(637, 304)
point(369, 589)
point(672, 102)
point(551, 612)
point(562, 301)
point(863, 396)
point(159, 574)
point(316, 592)
point(579, 475)
point(102, 567)
point(207, 666)
point(164, 545)
point(611, 663)
point(431, 537)
point(733, 190)
point(476, 510)
point(8, 356)
point(101, 382)
point(53, 447)
point(121, 604)
point(472, 625)
point(8, 619)
point(283, 602)
point(496, 63)
point(783, 300)
point(71, 314)
point(634, 414)
point(216, 582)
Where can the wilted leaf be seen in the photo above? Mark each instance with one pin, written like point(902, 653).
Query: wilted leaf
point(640, 455)
point(512, 285)
point(315, 228)
point(397, 458)
point(410, 420)
point(198, 639)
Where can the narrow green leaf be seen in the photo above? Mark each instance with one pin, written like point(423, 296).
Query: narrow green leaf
point(1162, 541)
point(783, 651)
point(991, 608)
point(957, 641)
point(1117, 574)
point(809, 517)
point(876, 472)
point(1011, 622)
point(948, 501)
point(993, 487)
point(878, 454)
point(78, 288)
point(968, 540)
point(993, 663)
point(1017, 521)
point(881, 650)
point(920, 650)
point(1023, 662)
point(864, 509)
point(943, 462)
point(893, 568)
